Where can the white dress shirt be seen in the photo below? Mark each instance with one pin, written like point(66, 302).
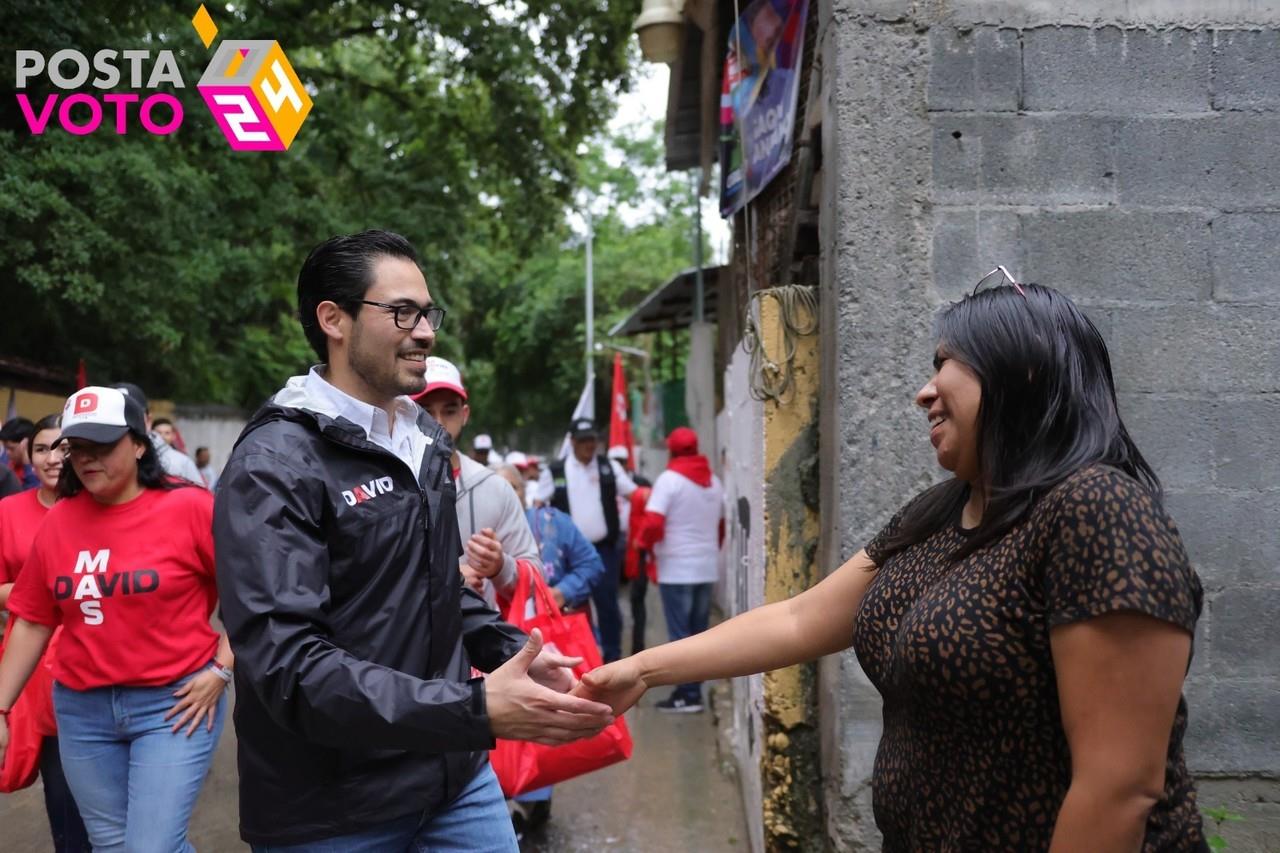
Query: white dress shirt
point(403, 438)
point(583, 485)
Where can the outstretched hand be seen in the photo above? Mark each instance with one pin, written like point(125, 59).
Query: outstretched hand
point(522, 709)
point(554, 670)
point(619, 685)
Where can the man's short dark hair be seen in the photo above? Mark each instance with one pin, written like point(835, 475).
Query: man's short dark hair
point(340, 270)
point(17, 429)
point(159, 422)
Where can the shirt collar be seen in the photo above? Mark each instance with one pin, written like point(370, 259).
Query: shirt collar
point(372, 419)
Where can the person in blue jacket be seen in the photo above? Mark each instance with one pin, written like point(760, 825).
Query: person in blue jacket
point(572, 567)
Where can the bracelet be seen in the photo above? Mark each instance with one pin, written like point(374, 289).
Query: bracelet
point(220, 671)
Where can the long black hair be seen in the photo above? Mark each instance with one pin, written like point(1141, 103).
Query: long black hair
point(151, 474)
point(1048, 409)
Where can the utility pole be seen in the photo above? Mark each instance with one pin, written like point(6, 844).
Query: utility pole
point(591, 372)
point(697, 252)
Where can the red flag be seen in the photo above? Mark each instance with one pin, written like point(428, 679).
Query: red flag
point(82, 376)
point(619, 422)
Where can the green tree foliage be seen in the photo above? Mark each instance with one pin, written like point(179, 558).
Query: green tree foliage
point(172, 260)
point(524, 326)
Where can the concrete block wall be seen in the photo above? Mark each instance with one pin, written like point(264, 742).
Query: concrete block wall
point(1131, 158)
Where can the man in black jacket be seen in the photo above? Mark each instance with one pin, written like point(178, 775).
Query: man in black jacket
point(337, 553)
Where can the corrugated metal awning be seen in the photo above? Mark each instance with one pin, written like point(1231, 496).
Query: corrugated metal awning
point(671, 306)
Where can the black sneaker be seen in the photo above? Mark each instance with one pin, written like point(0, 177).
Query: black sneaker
point(538, 813)
point(680, 705)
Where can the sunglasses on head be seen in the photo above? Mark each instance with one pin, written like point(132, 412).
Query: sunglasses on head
point(1006, 277)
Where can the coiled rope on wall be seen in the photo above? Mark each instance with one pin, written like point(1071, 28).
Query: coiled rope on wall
point(771, 377)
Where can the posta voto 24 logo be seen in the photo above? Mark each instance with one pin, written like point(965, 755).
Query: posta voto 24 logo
point(249, 86)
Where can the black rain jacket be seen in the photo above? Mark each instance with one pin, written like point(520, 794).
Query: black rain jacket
point(353, 633)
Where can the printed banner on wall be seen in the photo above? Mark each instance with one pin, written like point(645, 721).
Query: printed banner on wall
point(758, 98)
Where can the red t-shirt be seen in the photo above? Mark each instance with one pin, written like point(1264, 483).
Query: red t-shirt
point(132, 585)
point(20, 517)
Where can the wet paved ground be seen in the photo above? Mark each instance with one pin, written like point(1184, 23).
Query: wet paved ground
point(675, 794)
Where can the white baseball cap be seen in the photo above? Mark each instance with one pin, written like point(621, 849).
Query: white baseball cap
point(442, 374)
point(102, 415)
point(517, 459)
point(482, 442)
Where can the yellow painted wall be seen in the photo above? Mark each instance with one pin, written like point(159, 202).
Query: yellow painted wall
point(30, 404)
point(789, 760)
point(35, 405)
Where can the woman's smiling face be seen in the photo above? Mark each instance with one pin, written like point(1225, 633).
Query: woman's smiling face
point(952, 399)
point(47, 459)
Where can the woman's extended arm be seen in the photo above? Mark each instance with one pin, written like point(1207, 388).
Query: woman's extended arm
point(1119, 680)
point(817, 622)
point(27, 642)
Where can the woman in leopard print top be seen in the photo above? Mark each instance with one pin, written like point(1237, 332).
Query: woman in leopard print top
point(1028, 621)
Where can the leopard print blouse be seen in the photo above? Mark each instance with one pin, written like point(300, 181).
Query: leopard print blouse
point(973, 755)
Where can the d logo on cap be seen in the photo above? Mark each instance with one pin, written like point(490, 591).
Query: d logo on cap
point(86, 403)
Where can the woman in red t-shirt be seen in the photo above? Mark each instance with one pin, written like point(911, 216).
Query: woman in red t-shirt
point(20, 517)
point(124, 563)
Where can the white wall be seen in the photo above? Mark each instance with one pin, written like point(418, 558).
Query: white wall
point(216, 432)
point(738, 429)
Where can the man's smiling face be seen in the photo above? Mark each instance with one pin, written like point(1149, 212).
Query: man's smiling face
point(388, 360)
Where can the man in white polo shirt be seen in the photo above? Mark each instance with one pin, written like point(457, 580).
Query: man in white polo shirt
point(587, 486)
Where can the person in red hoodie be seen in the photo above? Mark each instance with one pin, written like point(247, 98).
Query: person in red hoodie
point(124, 563)
point(20, 517)
point(639, 567)
point(684, 527)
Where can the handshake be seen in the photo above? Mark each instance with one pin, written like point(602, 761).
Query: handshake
point(534, 696)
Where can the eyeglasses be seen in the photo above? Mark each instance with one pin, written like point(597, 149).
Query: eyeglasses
point(407, 316)
point(1007, 278)
point(82, 449)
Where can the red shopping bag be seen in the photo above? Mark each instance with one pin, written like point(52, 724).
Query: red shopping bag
point(29, 715)
point(523, 766)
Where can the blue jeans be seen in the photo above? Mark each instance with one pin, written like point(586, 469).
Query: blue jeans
point(605, 596)
point(134, 780)
point(537, 795)
point(476, 822)
point(687, 607)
